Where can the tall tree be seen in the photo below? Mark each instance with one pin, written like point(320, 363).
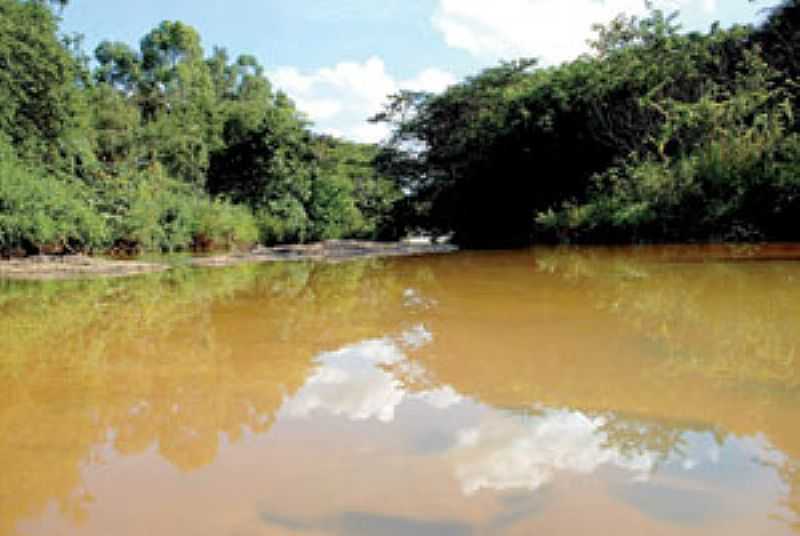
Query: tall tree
point(38, 94)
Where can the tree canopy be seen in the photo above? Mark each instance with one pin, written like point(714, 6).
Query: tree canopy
point(657, 134)
point(170, 148)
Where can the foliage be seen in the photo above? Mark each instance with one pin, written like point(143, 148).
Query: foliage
point(154, 212)
point(168, 148)
point(221, 223)
point(722, 167)
point(349, 197)
point(38, 95)
point(42, 213)
point(658, 134)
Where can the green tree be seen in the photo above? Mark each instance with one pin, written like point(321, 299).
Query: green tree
point(38, 94)
point(167, 148)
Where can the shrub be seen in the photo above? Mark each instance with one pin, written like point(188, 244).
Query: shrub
point(221, 224)
point(725, 168)
point(281, 221)
point(153, 212)
point(41, 213)
point(158, 216)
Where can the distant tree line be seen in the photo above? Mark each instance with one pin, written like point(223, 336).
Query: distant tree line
point(163, 148)
point(656, 135)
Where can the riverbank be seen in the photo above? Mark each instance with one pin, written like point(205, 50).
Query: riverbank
point(49, 267)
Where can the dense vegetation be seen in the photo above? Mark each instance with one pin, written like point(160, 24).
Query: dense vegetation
point(658, 135)
point(162, 148)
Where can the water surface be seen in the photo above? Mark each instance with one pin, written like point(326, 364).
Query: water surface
point(549, 391)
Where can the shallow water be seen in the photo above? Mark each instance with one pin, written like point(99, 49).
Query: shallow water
point(550, 391)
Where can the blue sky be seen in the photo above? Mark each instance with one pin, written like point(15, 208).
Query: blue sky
point(339, 58)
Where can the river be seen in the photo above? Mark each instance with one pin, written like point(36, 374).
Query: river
point(650, 390)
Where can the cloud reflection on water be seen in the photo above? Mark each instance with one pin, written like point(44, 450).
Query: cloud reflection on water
point(363, 382)
point(505, 452)
point(360, 382)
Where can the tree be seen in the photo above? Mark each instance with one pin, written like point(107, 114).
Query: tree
point(159, 142)
point(38, 95)
point(119, 66)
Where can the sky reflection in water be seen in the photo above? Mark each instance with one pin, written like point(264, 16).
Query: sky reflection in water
point(494, 393)
point(501, 450)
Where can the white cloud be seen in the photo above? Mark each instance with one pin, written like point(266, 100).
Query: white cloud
point(360, 130)
point(505, 453)
point(551, 30)
point(339, 99)
point(433, 80)
point(441, 398)
point(360, 382)
point(417, 337)
point(350, 383)
point(321, 109)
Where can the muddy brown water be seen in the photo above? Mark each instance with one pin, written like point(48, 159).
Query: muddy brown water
point(548, 391)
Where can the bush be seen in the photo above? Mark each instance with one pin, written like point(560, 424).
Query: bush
point(157, 215)
point(41, 213)
point(153, 212)
point(738, 188)
point(283, 221)
point(725, 169)
point(219, 223)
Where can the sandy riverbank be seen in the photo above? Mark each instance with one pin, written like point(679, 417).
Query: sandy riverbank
point(45, 267)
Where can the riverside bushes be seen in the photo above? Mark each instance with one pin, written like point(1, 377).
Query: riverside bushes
point(42, 213)
point(162, 148)
point(656, 135)
point(162, 214)
point(732, 173)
